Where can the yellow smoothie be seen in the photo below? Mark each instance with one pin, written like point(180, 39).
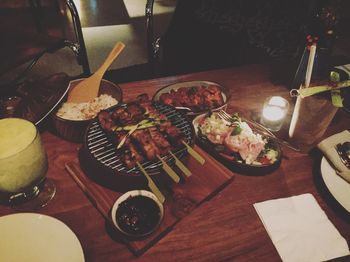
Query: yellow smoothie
point(23, 161)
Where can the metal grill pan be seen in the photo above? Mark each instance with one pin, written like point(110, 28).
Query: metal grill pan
point(102, 150)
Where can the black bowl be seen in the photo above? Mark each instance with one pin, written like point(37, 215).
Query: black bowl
point(137, 213)
point(74, 130)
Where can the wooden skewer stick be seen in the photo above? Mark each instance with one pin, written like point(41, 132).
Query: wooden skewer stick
point(181, 166)
point(193, 153)
point(152, 185)
point(169, 171)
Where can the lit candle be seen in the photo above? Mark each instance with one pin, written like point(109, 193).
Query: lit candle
point(274, 112)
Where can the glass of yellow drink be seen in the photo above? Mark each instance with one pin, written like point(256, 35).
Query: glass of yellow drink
point(23, 165)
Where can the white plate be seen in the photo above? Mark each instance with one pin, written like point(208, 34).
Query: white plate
point(337, 186)
point(34, 237)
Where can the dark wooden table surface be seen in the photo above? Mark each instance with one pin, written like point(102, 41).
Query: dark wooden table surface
point(224, 228)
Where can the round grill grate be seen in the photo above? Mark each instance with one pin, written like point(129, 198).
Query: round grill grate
point(103, 151)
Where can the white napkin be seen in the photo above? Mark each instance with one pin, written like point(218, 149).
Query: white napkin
point(327, 146)
point(300, 230)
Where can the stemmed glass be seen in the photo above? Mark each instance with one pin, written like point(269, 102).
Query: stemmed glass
point(23, 166)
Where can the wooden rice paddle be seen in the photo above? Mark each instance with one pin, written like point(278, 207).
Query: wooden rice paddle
point(88, 89)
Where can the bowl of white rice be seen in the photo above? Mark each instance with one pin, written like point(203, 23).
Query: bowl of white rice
point(71, 119)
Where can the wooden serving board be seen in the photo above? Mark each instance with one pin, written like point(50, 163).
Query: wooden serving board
point(181, 199)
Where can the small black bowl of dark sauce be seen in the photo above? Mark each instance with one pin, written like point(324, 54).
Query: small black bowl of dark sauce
point(137, 213)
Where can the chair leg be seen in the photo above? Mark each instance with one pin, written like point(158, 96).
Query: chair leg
point(81, 58)
point(37, 14)
point(25, 71)
point(82, 54)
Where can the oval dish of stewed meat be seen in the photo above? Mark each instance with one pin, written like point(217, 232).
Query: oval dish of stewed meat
point(197, 96)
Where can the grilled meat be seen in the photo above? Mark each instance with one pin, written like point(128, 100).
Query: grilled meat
point(212, 96)
point(183, 96)
point(106, 121)
point(160, 141)
point(130, 115)
point(167, 99)
point(131, 155)
point(146, 105)
point(196, 97)
point(137, 113)
point(121, 116)
point(147, 145)
point(172, 133)
point(151, 139)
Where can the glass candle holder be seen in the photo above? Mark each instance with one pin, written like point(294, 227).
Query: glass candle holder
point(274, 112)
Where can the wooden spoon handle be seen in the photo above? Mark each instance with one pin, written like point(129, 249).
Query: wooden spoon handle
point(119, 46)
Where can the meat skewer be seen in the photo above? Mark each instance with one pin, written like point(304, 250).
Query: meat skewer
point(141, 131)
point(106, 121)
point(147, 145)
point(173, 134)
point(131, 154)
point(160, 141)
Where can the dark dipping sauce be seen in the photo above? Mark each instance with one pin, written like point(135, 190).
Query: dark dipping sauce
point(138, 215)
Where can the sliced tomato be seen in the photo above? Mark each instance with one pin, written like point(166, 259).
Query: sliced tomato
point(265, 161)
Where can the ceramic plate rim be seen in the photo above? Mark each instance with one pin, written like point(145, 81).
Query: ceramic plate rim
point(337, 186)
point(46, 223)
point(54, 106)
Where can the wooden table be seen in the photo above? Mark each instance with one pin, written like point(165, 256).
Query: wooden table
point(224, 228)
